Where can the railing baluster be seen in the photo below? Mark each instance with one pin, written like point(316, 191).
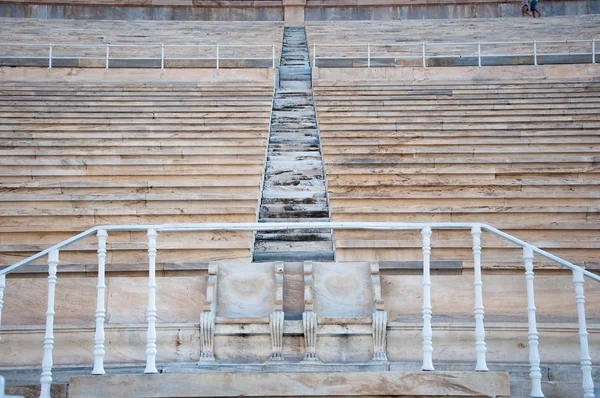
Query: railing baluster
point(424, 59)
point(2, 286)
point(593, 51)
point(586, 360)
point(480, 349)
point(162, 56)
point(100, 309)
point(107, 55)
point(427, 332)
point(535, 374)
point(535, 53)
point(368, 55)
point(151, 311)
point(50, 57)
point(479, 54)
point(217, 56)
point(273, 55)
point(46, 379)
point(314, 55)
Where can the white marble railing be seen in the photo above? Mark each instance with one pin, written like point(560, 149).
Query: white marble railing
point(573, 51)
point(476, 230)
point(159, 54)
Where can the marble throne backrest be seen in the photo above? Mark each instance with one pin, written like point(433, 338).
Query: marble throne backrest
point(342, 290)
point(245, 290)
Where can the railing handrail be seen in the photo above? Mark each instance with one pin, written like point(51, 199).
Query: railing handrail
point(446, 43)
point(389, 226)
point(153, 45)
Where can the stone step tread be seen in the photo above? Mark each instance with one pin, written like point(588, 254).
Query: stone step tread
point(283, 246)
point(294, 192)
point(294, 256)
point(294, 237)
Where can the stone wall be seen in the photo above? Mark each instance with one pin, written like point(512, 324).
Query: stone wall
point(144, 13)
point(292, 10)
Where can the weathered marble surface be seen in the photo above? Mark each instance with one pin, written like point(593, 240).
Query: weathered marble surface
point(459, 384)
point(187, 13)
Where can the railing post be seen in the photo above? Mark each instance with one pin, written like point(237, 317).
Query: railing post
point(479, 54)
point(535, 374)
point(217, 56)
point(162, 56)
point(586, 360)
point(480, 349)
point(151, 312)
point(535, 53)
point(46, 379)
point(427, 332)
point(594, 51)
point(368, 55)
point(273, 55)
point(107, 54)
point(424, 59)
point(2, 287)
point(100, 309)
point(314, 55)
point(50, 57)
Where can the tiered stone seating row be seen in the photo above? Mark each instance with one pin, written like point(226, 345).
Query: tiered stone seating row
point(147, 36)
point(452, 31)
point(75, 155)
point(520, 156)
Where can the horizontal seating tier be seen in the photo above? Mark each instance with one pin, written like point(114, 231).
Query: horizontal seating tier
point(391, 40)
point(518, 154)
point(79, 154)
point(138, 43)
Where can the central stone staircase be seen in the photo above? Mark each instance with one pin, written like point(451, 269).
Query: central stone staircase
point(294, 184)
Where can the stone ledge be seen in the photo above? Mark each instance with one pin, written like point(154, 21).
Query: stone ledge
point(391, 384)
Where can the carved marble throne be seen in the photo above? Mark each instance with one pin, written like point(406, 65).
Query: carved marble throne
point(244, 294)
point(343, 293)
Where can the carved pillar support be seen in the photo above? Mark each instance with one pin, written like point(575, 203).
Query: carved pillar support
point(208, 318)
point(309, 317)
point(276, 327)
point(379, 335)
point(310, 326)
point(276, 317)
point(379, 324)
point(207, 338)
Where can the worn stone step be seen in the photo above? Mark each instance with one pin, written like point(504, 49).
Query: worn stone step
point(292, 246)
point(293, 256)
point(292, 201)
point(271, 182)
point(293, 192)
point(294, 237)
